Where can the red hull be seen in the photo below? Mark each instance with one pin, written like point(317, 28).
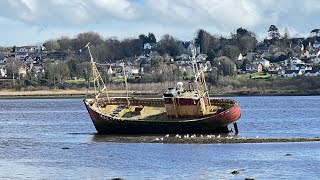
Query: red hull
point(217, 123)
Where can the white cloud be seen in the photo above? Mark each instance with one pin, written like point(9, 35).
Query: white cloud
point(45, 19)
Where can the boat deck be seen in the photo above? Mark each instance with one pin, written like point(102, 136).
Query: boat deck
point(150, 113)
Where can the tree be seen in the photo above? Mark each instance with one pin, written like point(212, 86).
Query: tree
point(168, 44)
point(143, 38)
point(51, 45)
point(203, 39)
point(273, 32)
point(231, 52)
point(57, 72)
point(64, 43)
point(148, 39)
point(131, 47)
point(13, 68)
point(72, 65)
point(225, 66)
point(152, 38)
point(84, 38)
point(156, 61)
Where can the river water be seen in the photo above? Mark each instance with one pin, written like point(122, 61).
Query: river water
point(54, 139)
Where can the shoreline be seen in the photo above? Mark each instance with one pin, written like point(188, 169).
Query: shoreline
point(7, 94)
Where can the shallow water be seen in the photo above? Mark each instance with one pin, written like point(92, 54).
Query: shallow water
point(54, 139)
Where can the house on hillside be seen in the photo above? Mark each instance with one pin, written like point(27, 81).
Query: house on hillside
point(202, 57)
point(291, 73)
point(251, 68)
point(262, 49)
point(312, 73)
point(301, 67)
point(251, 56)
point(240, 57)
point(316, 45)
point(3, 70)
point(292, 61)
point(265, 63)
point(149, 46)
point(21, 55)
point(22, 72)
point(131, 70)
point(182, 59)
point(187, 47)
point(21, 50)
point(275, 68)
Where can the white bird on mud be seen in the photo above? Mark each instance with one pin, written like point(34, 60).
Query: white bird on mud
point(167, 135)
point(177, 135)
point(201, 135)
point(157, 139)
point(161, 139)
point(218, 136)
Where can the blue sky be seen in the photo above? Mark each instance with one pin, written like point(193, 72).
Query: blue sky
point(31, 22)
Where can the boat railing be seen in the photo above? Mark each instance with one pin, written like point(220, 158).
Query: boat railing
point(223, 102)
point(134, 101)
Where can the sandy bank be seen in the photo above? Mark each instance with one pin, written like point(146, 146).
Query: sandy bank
point(206, 139)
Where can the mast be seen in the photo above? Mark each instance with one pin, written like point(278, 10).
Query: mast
point(97, 79)
point(199, 78)
point(126, 84)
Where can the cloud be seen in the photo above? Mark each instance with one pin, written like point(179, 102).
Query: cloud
point(129, 18)
point(66, 12)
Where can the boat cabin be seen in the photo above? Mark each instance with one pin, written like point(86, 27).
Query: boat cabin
point(180, 103)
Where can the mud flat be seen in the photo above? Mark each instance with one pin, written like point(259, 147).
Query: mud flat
point(192, 139)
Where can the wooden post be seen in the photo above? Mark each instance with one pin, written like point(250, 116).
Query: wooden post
point(235, 128)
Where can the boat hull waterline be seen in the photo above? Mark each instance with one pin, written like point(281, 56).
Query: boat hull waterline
point(216, 123)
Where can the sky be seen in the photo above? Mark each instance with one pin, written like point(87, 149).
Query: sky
point(32, 22)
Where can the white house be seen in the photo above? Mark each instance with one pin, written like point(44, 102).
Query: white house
point(3, 70)
point(240, 57)
point(183, 57)
point(291, 73)
point(253, 67)
point(292, 61)
point(148, 45)
point(301, 67)
point(21, 50)
point(131, 70)
point(312, 73)
point(316, 45)
point(109, 71)
point(202, 57)
point(21, 55)
point(265, 63)
point(315, 60)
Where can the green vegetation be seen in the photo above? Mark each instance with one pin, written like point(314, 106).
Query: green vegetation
point(66, 63)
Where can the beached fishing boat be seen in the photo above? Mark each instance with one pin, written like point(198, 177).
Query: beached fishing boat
point(180, 110)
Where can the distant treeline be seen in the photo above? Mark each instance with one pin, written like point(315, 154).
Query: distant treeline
point(242, 41)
